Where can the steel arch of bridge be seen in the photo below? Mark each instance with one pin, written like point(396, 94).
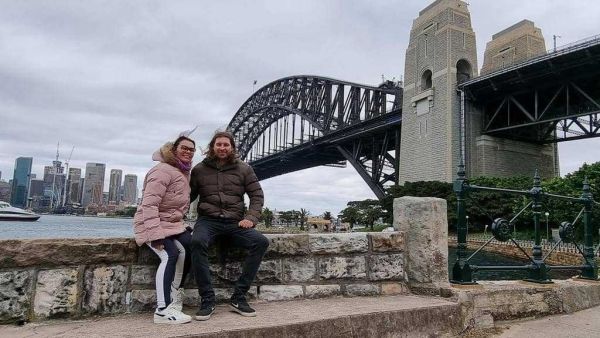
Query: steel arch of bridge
point(304, 121)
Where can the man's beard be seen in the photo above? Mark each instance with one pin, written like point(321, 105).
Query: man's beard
point(231, 156)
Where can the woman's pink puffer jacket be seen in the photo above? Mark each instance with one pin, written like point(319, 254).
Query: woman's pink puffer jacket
point(165, 199)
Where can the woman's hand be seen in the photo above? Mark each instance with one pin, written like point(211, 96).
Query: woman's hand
point(158, 244)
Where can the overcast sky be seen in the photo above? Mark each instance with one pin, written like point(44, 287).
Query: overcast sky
point(116, 79)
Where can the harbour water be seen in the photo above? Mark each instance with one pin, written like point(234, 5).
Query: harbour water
point(59, 226)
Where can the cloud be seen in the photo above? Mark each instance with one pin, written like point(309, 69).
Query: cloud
point(116, 79)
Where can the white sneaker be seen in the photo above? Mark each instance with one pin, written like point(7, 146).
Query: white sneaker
point(177, 298)
point(170, 315)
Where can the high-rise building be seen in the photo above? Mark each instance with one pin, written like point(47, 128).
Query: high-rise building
point(114, 186)
point(74, 186)
point(54, 182)
point(36, 188)
point(130, 189)
point(20, 182)
point(93, 184)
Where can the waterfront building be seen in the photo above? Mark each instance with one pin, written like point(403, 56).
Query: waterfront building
point(20, 182)
point(74, 184)
point(114, 186)
point(130, 189)
point(93, 184)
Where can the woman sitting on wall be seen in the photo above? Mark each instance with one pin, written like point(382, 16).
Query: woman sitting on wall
point(158, 223)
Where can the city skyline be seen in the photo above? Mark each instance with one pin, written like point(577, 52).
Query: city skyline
point(60, 187)
point(117, 81)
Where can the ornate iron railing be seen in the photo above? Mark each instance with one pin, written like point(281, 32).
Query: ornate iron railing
point(502, 230)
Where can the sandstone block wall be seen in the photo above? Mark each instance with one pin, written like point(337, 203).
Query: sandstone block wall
point(73, 278)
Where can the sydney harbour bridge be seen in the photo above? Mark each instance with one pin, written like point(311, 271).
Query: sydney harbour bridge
point(304, 121)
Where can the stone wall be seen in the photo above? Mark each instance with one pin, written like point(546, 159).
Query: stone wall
point(74, 278)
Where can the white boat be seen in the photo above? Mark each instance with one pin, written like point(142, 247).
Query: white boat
point(10, 213)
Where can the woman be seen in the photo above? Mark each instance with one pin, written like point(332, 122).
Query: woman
point(158, 223)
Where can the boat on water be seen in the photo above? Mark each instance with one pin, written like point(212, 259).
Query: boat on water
point(10, 213)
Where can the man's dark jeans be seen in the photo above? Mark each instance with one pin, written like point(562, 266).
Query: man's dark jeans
point(205, 231)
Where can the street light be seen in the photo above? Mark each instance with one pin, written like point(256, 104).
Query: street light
point(547, 214)
point(467, 217)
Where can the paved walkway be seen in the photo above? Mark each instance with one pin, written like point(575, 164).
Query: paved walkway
point(581, 324)
point(328, 317)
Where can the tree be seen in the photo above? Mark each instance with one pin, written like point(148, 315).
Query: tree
point(350, 215)
point(286, 217)
point(303, 216)
point(327, 215)
point(267, 216)
point(370, 213)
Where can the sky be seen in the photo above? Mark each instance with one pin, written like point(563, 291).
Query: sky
point(116, 79)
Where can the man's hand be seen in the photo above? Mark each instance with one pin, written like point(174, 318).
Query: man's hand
point(246, 223)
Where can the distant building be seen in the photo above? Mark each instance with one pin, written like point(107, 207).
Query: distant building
point(4, 191)
point(93, 184)
point(114, 186)
point(74, 185)
point(20, 182)
point(318, 224)
point(0, 175)
point(36, 188)
point(130, 189)
point(54, 182)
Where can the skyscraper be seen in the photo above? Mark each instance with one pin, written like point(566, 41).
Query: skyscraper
point(94, 184)
point(114, 186)
point(54, 182)
point(74, 186)
point(130, 189)
point(20, 182)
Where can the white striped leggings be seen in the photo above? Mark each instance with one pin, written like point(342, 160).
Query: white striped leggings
point(174, 266)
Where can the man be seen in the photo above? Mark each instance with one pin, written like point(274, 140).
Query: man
point(220, 182)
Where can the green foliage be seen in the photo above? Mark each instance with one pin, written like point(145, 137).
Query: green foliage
point(350, 215)
point(483, 207)
point(327, 215)
point(267, 216)
point(302, 215)
point(365, 212)
point(127, 212)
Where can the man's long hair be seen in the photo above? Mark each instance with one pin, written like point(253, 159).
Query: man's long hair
point(210, 152)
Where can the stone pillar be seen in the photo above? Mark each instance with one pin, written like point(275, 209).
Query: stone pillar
point(441, 53)
point(425, 224)
point(499, 157)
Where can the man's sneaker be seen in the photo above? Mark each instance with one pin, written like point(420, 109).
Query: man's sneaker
point(240, 306)
point(177, 298)
point(205, 311)
point(170, 315)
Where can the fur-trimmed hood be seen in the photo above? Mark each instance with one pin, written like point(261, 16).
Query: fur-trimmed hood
point(165, 154)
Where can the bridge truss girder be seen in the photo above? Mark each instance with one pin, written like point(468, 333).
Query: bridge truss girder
point(565, 111)
point(326, 104)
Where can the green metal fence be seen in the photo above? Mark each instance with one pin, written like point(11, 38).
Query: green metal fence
point(502, 230)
